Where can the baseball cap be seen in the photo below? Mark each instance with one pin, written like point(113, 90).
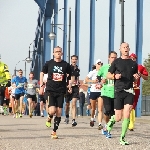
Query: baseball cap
point(97, 61)
point(133, 55)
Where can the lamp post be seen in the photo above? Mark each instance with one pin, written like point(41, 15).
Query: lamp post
point(122, 19)
point(15, 67)
point(52, 35)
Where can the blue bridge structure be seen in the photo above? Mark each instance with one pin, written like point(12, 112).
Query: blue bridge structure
point(48, 20)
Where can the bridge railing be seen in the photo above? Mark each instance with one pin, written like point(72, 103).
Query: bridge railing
point(145, 105)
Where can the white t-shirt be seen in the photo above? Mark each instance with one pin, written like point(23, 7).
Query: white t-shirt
point(45, 80)
point(12, 89)
point(93, 76)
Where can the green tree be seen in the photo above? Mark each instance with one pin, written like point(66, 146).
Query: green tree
point(146, 84)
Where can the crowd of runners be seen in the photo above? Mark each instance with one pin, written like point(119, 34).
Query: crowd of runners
point(113, 89)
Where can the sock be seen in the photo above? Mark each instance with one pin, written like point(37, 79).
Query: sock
point(67, 116)
point(56, 123)
point(111, 123)
point(125, 125)
point(99, 123)
point(92, 119)
point(73, 120)
point(112, 119)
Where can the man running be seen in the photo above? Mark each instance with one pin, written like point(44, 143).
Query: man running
point(124, 71)
point(144, 74)
point(43, 97)
point(32, 84)
point(107, 91)
point(75, 91)
point(57, 70)
point(19, 82)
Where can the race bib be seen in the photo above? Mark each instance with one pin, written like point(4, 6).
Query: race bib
point(30, 86)
point(57, 77)
point(20, 85)
point(110, 82)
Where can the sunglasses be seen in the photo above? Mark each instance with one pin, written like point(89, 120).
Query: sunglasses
point(99, 63)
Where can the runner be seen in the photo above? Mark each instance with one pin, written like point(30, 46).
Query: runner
point(124, 71)
point(75, 91)
point(32, 84)
point(12, 98)
point(107, 91)
point(57, 70)
point(144, 74)
point(43, 97)
point(19, 83)
point(95, 93)
point(88, 110)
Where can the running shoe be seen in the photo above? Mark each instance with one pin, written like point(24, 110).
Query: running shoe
point(92, 123)
point(104, 132)
point(42, 115)
point(74, 123)
point(67, 120)
point(17, 115)
point(108, 135)
point(53, 135)
point(48, 122)
point(14, 116)
point(100, 127)
point(123, 142)
point(20, 115)
point(30, 115)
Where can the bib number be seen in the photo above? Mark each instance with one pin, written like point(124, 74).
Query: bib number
point(110, 82)
point(57, 77)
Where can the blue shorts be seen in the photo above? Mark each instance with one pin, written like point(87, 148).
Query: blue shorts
point(95, 95)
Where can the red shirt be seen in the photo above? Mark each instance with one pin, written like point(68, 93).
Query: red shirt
point(143, 71)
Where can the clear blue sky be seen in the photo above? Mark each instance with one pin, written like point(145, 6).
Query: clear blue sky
point(19, 21)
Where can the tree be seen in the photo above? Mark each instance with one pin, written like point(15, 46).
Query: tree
point(146, 84)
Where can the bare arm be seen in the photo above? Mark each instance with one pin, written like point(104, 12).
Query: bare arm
point(110, 76)
point(41, 78)
point(144, 77)
point(88, 80)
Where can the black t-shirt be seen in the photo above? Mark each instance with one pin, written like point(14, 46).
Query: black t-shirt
point(57, 73)
point(127, 68)
point(75, 71)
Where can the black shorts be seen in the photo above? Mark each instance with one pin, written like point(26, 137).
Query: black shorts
point(95, 95)
point(17, 96)
point(74, 94)
point(122, 98)
point(55, 99)
point(33, 97)
point(108, 104)
point(43, 98)
point(1, 100)
point(4, 101)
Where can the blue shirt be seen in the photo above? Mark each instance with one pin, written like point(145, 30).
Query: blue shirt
point(19, 84)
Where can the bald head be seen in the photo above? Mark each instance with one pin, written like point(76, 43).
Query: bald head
point(124, 48)
point(57, 52)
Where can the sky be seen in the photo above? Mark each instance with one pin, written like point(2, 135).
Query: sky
point(18, 21)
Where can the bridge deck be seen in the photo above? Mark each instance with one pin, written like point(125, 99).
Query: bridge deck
point(31, 134)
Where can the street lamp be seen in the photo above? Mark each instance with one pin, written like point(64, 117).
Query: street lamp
point(15, 67)
point(28, 59)
point(122, 19)
point(52, 35)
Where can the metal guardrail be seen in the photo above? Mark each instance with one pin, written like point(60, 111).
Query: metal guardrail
point(145, 105)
